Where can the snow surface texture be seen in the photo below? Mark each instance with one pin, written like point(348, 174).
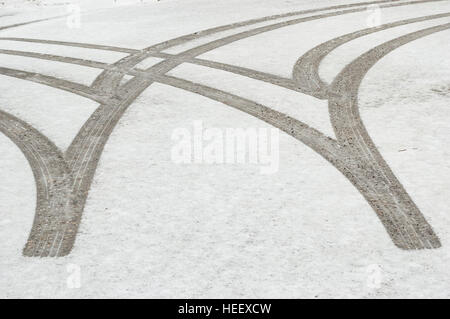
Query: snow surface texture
point(153, 228)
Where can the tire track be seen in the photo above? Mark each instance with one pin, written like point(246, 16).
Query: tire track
point(56, 83)
point(306, 69)
point(305, 74)
point(73, 44)
point(108, 80)
point(58, 58)
point(183, 39)
point(85, 162)
point(108, 83)
point(76, 61)
point(324, 145)
point(84, 153)
point(257, 75)
point(262, 76)
point(54, 207)
point(117, 74)
point(399, 214)
point(6, 15)
point(301, 77)
point(31, 22)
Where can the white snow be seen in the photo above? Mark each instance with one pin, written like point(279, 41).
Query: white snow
point(346, 53)
point(152, 228)
point(57, 114)
point(288, 44)
point(61, 50)
point(307, 109)
point(70, 72)
point(197, 42)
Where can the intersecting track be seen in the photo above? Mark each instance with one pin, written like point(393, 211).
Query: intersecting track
point(63, 180)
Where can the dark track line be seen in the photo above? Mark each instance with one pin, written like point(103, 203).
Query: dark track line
point(84, 153)
point(402, 218)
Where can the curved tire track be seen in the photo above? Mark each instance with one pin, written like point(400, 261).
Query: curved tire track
point(72, 87)
point(109, 81)
point(55, 207)
point(83, 155)
point(16, 25)
point(325, 146)
point(306, 69)
point(58, 58)
point(72, 44)
point(401, 217)
point(85, 151)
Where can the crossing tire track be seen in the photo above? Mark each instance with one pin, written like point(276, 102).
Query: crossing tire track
point(56, 234)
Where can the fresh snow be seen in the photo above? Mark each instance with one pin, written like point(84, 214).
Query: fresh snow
point(155, 229)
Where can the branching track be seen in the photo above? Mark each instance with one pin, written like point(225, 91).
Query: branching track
point(63, 180)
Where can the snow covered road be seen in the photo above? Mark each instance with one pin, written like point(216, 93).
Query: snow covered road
point(215, 63)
